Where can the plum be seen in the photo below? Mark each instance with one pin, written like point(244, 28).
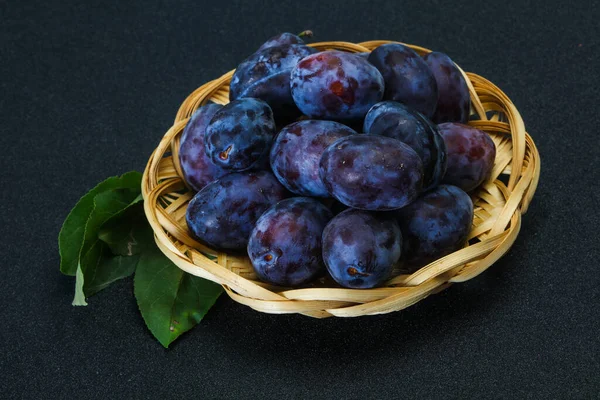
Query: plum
point(395, 120)
point(285, 38)
point(240, 134)
point(407, 77)
point(371, 172)
point(335, 85)
point(223, 214)
point(285, 244)
point(454, 101)
point(265, 75)
point(435, 225)
point(471, 155)
point(198, 170)
point(296, 153)
point(360, 248)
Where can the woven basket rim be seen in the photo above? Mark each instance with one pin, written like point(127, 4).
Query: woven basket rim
point(498, 211)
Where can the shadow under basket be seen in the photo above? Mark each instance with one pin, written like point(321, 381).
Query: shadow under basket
point(498, 211)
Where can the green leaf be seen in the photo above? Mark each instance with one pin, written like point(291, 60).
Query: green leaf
point(116, 203)
point(116, 252)
point(94, 253)
point(107, 205)
point(71, 236)
point(170, 300)
point(106, 237)
point(126, 234)
point(101, 269)
point(111, 269)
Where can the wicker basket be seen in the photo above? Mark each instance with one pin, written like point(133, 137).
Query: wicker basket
point(498, 210)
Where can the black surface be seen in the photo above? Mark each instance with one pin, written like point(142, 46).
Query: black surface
point(89, 88)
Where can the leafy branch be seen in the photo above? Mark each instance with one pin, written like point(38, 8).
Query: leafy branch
point(106, 237)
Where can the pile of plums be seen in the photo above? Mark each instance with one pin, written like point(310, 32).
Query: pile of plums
point(331, 162)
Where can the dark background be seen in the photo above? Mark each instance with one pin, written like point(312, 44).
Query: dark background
point(89, 88)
